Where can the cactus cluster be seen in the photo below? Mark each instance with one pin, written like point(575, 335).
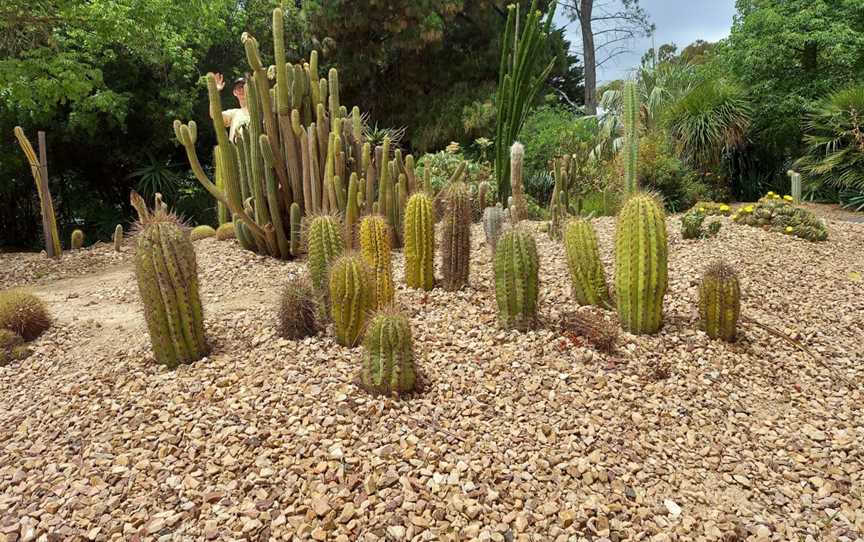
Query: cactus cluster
point(375, 248)
point(516, 279)
point(781, 215)
point(692, 225)
point(720, 301)
point(711, 208)
point(167, 273)
point(352, 297)
point(559, 204)
point(456, 237)
point(388, 355)
point(587, 278)
point(419, 235)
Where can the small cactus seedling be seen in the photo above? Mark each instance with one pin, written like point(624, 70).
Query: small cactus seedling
point(588, 280)
point(352, 297)
point(516, 279)
point(419, 239)
point(77, 240)
point(388, 355)
point(375, 249)
point(456, 237)
point(720, 301)
point(118, 238)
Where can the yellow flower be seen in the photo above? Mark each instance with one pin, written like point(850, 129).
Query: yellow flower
point(770, 194)
point(724, 208)
point(701, 209)
point(453, 147)
point(787, 197)
point(789, 229)
point(735, 216)
point(748, 209)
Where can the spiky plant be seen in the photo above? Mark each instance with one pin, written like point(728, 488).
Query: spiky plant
point(494, 221)
point(516, 279)
point(77, 240)
point(593, 327)
point(298, 310)
point(11, 347)
point(324, 244)
point(630, 149)
point(118, 238)
point(587, 278)
point(641, 273)
point(519, 209)
point(225, 231)
point(375, 249)
point(720, 301)
point(167, 273)
point(456, 237)
point(202, 232)
point(23, 313)
point(352, 297)
point(388, 355)
point(419, 242)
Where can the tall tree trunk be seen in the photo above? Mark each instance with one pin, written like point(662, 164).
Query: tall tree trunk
point(589, 56)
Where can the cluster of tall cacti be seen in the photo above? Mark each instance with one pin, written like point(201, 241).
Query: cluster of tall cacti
point(559, 204)
point(302, 153)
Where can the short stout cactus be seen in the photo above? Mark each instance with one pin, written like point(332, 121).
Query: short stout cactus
point(587, 278)
point(516, 279)
point(375, 250)
point(456, 237)
point(352, 297)
point(298, 310)
point(388, 355)
point(419, 236)
point(720, 301)
point(118, 238)
point(23, 314)
point(167, 275)
point(641, 264)
point(324, 243)
point(202, 232)
point(77, 240)
point(494, 220)
point(225, 231)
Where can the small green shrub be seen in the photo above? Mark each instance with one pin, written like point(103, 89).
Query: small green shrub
point(551, 131)
point(662, 172)
point(24, 314)
point(443, 164)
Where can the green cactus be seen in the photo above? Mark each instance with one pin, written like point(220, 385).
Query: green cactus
point(588, 281)
point(482, 200)
point(77, 240)
point(388, 355)
point(375, 249)
point(352, 297)
point(641, 273)
point(201, 232)
point(519, 208)
point(419, 242)
point(324, 244)
point(225, 231)
point(516, 279)
point(352, 212)
point(118, 238)
point(720, 301)
point(456, 237)
point(296, 229)
point(630, 149)
point(167, 275)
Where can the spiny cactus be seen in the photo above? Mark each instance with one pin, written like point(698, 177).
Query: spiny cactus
point(352, 212)
point(419, 242)
point(167, 275)
point(494, 220)
point(324, 244)
point(482, 200)
point(201, 232)
point(352, 297)
point(375, 249)
point(519, 208)
point(12, 347)
point(77, 240)
point(516, 279)
point(298, 310)
point(23, 313)
point(641, 273)
point(456, 236)
point(225, 231)
point(720, 301)
point(118, 238)
point(630, 149)
point(593, 327)
point(388, 355)
point(588, 281)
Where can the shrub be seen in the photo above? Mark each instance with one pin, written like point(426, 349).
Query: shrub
point(298, 308)
point(202, 232)
point(24, 314)
point(11, 347)
point(443, 164)
point(779, 214)
point(225, 231)
point(551, 131)
point(662, 172)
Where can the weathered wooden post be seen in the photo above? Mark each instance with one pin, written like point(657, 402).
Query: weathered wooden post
point(796, 185)
point(39, 170)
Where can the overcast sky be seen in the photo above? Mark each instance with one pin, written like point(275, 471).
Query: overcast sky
point(678, 21)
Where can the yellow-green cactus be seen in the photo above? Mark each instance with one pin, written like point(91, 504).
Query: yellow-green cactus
point(375, 248)
point(720, 301)
point(352, 297)
point(516, 279)
point(587, 278)
point(419, 242)
point(388, 355)
point(77, 240)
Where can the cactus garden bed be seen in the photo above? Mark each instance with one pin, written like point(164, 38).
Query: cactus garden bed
point(516, 436)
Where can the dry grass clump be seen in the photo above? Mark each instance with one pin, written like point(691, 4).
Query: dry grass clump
point(298, 310)
point(596, 329)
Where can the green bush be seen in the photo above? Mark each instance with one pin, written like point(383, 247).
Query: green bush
point(551, 131)
point(662, 172)
point(443, 164)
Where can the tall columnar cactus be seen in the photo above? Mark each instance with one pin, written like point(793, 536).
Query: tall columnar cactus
point(419, 242)
point(388, 355)
point(494, 220)
point(587, 279)
point(324, 244)
point(641, 273)
point(720, 301)
point(516, 279)
point(77, 240)
point(352, 212)
point(375, 249)
point(482, 200)
point(352, 297)
point(519, 209)
point(118, 238)
point(39, 170)
point(630, 149)
point(167, 275)
point(456, 237)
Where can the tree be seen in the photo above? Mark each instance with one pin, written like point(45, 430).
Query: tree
point(607, 28)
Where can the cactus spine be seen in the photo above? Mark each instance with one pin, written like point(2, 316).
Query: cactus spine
point(456, 237)
point(631, 136)
point(516, 279)
point(493, 223)
point(641, 272)
point(352, 297)
point(77, 240)
point(118, 238)
point(419, 242)
point(519, 209)
point(324, 244)
point(375, 249)
point(167, 275)
point(388, 355)
point(720, 301)
point(587, 279)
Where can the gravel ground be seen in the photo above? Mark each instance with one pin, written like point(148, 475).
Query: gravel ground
point(517, 437)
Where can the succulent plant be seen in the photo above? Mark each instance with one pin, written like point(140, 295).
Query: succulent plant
point(202, 232)
point(77, 240)
point(298, 310)
point(494, 222)
point(324, 244)
point(641, 273)
point(12, 347)
point(352, 297)
point(779, 214)
point(167, 273)
point(388, 355)
point(24, 314)
point(419, 236)
point(692, 222)
point(516, 279)
point(593, 327)
point(375, 249)
point(588, 280)
point(456, 236)
point(519, 208)
point(225, 231)
point(118, 238)
point(630, 149)
point(720, 301)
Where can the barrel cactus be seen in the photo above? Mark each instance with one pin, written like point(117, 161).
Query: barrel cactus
point(720, 301)
point(456, 237)
point(324, 244)
point(202, 232)
point(419, 236)
point(225, 231)
point(388, 355)
point(24, 314)
point(77, 240)
point(494, 220)
point(587, 278)
point(352, 297)
point(167, 275)
point(641, 273)
point(516, 279)
point(375, 250)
